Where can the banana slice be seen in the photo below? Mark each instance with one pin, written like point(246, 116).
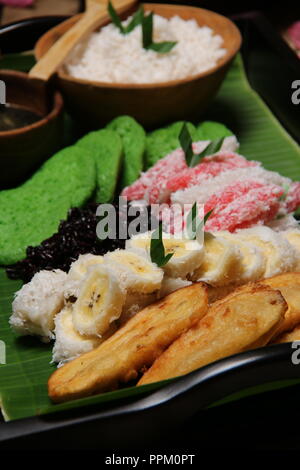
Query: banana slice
point(134, 272)
point(79, 268)
point(253, 261)
point(68, 342)
point(188, 254)
point(99, 303)
point(140, 244)
point(71, 291)
point(293, 237)
point(76, 273)
point(279, 253)
point(221, 264)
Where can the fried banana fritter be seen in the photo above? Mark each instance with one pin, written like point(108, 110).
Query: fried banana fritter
point(133, 347)
point(243, 320)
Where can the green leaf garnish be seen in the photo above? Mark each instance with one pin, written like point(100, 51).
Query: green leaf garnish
point(157, 249)
point(186, 141)
point(207, 216)
point(297, 214)
point(147, 30)
point(135, 21)
point(115, 17)
point(162, 47)
point(193, 222)
point(284, 195)
point(212, 147)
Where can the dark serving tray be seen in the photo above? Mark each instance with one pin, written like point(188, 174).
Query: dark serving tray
point(132, 423)
point(271, 67)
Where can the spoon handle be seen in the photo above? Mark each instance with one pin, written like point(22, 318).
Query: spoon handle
point(57, 54)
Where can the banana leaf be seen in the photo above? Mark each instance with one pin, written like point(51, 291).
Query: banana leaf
point(23, 379)
point(22, 62)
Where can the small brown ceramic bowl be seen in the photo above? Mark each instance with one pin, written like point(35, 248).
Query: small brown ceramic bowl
point(95, 103)
point(22, 150)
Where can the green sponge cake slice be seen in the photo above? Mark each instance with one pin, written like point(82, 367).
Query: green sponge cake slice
point(161, 142)
point(106, 147)
point(134, 139)
point(210, 130)
point(31, 213)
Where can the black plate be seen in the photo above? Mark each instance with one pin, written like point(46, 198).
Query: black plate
point(131, 423)
point(134, 423)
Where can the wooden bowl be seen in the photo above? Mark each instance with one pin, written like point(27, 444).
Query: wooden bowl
point(95, 103)
point(23, 150)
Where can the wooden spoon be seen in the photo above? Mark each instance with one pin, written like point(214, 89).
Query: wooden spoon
point(95, 13)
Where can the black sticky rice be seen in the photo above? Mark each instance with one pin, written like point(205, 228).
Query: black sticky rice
point(76, 235)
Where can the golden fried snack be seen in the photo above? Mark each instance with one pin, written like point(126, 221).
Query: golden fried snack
point(289, 286)
point(219, 292)
point(232, 292)
point(133, 347)
point(243, 320)
point(290, 336)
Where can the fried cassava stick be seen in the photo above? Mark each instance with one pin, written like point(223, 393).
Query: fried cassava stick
point(289, 286)
point(245, 320)
point(134, 346)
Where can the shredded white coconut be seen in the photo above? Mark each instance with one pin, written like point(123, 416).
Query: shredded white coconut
point(280, 254)
point(109, 56)
point(68, 342)
point(36, 304)
point(286, 222)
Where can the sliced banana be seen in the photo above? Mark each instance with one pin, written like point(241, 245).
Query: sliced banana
point(293, 237)
point(221, 264)
point(68, 342)
point(187, 257)
point(134, 272)
point(71, 291)
point(100, 301)
point(76, 273)
point(140, 244)
point(253, 261)
point(79, 268)
point(279, 253)
point(188, 254)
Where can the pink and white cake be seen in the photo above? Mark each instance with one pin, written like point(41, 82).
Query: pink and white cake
point(241, 193)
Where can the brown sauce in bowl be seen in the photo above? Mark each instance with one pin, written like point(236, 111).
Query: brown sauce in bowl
point(14, 117)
